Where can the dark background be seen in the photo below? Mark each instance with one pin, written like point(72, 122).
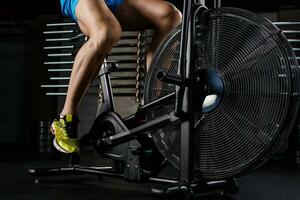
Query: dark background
point(22, 100)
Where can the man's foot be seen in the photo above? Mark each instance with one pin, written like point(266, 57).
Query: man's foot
point(65, 131)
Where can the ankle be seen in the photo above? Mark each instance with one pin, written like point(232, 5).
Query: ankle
point(62, 115)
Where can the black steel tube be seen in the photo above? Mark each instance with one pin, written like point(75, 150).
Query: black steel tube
point(186, 17)
point(99, 172)
point(126, 136)
point(182, 54)
point(108, 99)
point(158, 102)
point(168, 99)
point(169, 78)
point(183, 97)
point(73, 171)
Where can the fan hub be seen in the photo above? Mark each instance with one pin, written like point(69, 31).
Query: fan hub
point(213, 90)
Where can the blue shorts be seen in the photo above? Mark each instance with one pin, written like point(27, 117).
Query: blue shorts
point(68, 7)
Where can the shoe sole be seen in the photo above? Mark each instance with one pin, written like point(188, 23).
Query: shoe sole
point(55, 143)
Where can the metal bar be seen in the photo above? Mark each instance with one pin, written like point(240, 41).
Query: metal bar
point(53, 171)
point(59, 63)
point(158, 102)
point(114, 85)
point(59, 54)
point(54, 86)
point(128, 49)
point(112, 78)
point(58, 32)
point(163, 180)
point(286, 23)
point(56, 93)
point(59, 78)
point(124, 90)
point(133, 133)
point(99, 172)
point(121, 61)
point(68, 171)
point(64, 39)
point(61, 24)
point(90, 93)
point(181, 103)
point(185, 31)
point(108, 96)
point(59, 70)
point(122, 77)
point(293, 40)
point(124, 94)
point(296, 49)
point(291, 31)
point(60, 47)
point(93, 167)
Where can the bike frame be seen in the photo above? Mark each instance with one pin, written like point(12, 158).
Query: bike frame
point(184, 103)
point(184, 111)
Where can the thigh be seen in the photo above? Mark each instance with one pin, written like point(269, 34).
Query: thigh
point(141, 14)
point(93, 15)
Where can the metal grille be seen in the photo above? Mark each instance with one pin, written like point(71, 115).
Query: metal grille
point(260, 79)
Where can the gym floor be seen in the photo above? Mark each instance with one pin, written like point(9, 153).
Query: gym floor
point(276, 180)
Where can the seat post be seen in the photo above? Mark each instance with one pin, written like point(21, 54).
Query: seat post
point(105, 83)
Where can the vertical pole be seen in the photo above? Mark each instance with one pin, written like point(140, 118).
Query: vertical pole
point(186, 67)
point(217, 3)
point(182, 100)
point(108, 99)
point(186, 20)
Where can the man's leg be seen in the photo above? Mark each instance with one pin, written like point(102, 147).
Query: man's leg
point(98, 23)
point(145, 14)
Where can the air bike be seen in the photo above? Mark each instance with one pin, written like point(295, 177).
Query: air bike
point(221, 96)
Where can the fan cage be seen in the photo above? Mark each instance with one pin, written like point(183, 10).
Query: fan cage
point(261, 93)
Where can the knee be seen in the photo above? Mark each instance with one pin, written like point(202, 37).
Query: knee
point(103, 39)
point(170, 17)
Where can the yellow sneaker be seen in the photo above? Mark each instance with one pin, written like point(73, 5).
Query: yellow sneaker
point(65, 131)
